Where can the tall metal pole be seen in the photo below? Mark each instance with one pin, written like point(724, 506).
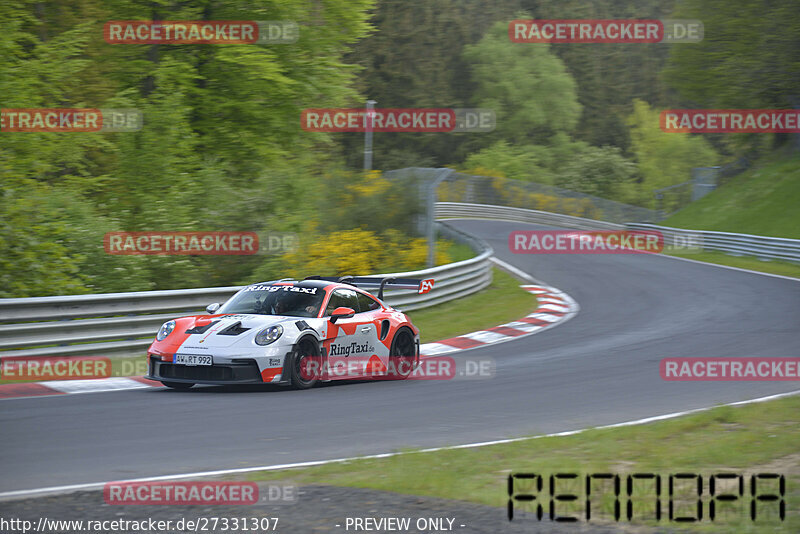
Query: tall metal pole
point(441, 174)
point(368, 135)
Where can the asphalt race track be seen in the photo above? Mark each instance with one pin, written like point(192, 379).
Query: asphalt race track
point(599, 368)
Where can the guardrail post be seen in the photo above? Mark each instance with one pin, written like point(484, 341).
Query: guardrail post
point(368, 135)
point(441, 174)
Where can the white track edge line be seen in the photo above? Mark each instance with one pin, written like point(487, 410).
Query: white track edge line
point(278, 467)
point(662, 255)
point(56, 393)
point(515, 270)
point(742, 269)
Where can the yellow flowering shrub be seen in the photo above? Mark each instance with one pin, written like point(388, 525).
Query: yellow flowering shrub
point(451, 191)
point(359, 252)
point(373, 183)
point(514, 194)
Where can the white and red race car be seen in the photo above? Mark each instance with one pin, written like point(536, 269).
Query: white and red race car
point(291, 332)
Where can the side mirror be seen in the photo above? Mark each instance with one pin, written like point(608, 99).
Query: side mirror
point(212, 308)
point(342, 313)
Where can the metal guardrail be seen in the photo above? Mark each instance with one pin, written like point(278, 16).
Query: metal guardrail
point(453, 280)
point(459, 210)
point(762, 247)
point(119, 324)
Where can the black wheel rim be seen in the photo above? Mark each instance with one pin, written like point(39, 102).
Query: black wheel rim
point(404, 353)
point(307, 363)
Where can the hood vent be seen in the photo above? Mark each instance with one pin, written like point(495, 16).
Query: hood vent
point(233, 330)
point(201, 329)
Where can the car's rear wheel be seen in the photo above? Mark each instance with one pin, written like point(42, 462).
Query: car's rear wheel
point(306, 364)
point(177, 385)
point(402, 355)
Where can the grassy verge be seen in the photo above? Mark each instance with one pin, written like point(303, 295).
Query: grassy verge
point(756, 438)
point(761, 201)
point(455, 251)
point(743, 262)
point(475, 312)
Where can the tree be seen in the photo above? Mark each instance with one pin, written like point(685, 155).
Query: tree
point(601, 172)
point(610, 75)
point(527, 86)
point(664, 159)
point(748, 59)
point(413, 59)
point(221, 147)
point(518, 162)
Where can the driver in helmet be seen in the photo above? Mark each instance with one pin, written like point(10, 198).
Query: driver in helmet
point(291, 305)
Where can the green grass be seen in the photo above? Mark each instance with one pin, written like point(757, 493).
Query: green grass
point(748, 439)
point(743, 262)
point(503, 301)
point(763, 201)
point(455, 251)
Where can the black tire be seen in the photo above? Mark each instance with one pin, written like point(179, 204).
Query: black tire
point(402, 355)
point(306, 365)
point(177, 385)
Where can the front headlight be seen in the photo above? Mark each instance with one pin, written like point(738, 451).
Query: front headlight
point(269, 335)
point(165, 330)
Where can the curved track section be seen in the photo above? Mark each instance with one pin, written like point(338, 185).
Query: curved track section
point(599, 368)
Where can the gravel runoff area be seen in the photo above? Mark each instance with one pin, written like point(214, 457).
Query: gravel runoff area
point(317, 509)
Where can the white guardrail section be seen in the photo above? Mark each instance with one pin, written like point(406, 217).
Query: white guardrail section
point(765, 248)
point(458, 210)
point(120, 324)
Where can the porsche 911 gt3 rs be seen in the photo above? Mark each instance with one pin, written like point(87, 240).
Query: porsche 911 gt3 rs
point(291, 332)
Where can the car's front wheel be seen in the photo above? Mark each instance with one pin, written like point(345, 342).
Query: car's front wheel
point(402, 355)
point(177, 385)
point(306, 364)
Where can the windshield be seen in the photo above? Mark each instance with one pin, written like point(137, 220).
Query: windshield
point(284, 300)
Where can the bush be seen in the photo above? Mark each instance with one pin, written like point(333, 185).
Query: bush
point(355, 252)
point(601, 172)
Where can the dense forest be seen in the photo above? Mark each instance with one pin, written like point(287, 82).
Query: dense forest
point(222, 146)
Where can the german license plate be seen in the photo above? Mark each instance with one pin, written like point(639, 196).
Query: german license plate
point(192, 359)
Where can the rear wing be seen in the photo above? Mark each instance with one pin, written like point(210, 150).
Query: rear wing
point(381, 282)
